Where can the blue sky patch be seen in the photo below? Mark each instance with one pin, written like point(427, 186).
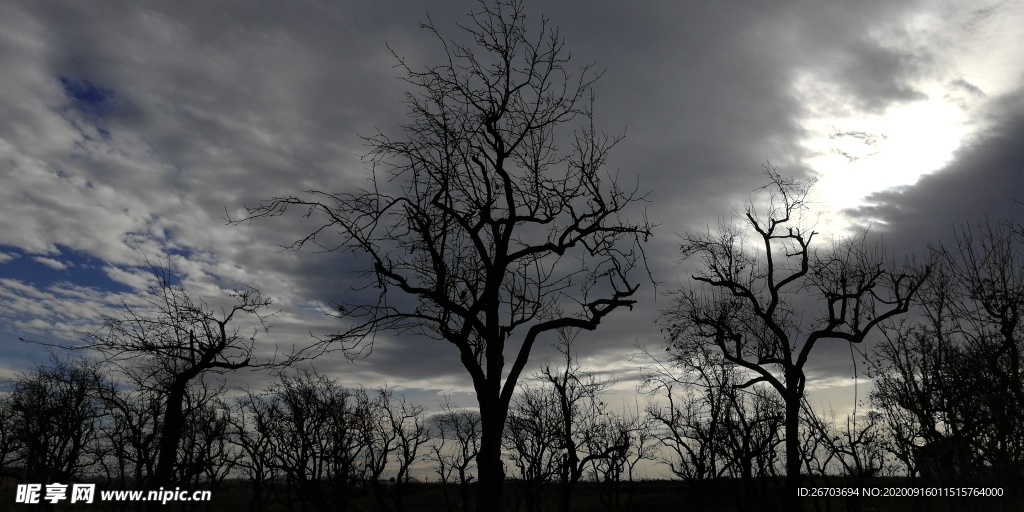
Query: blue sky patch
point(87, 95)
point(43, 270)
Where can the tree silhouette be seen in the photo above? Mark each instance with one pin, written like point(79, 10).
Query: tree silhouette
point(10, 438)
point(54, 416)
point(488, 224)
point(407, 422)
point(170, 340)
point(462, 428)
point(745, 303)
point(709, 428)
point(950, 384)
point(304, 441)
point(206, 456)
point(532, 440)
point(581, 430)
point(131, 431)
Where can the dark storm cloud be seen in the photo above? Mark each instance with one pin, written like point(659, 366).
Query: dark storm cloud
point(876, 77)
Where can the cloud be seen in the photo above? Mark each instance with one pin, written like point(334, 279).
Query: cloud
point(964, 85)
point(134, 278)
point(50, 262)
point(984, 179)
point(132, 130)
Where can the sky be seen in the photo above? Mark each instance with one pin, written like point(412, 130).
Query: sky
point(131, 130)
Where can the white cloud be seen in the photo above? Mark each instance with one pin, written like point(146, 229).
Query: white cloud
point(50, 262)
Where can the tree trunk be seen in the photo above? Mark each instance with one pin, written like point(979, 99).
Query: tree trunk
point(170, 435)
point(571, 473)
point(564, 496)
point(490, 471)
point(793, 502)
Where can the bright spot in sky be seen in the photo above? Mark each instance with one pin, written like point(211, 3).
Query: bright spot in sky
point(974, 60)
point(858, 155)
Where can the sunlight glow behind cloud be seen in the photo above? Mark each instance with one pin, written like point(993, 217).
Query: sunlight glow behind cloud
point(857, 152)
point(858, 155)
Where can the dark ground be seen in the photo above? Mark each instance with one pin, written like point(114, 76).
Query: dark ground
point(722, 496)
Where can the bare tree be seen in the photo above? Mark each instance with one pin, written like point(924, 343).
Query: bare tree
point(56, 413)
point(410, 428)
point(205, 454)
point(170, 340)
point(988, 265)
point(643, 445)
point(10, 442)
point(754, 418)
point(377, 438)
point(688, 407)
point(249, 431)
point(708, 426)
point(487, 226)
point(532, 438)
point(443, 468)
point(384, 431)
point(456, 447)
point(745, 298)
point(304, 437)
point(623, 440)
point(562, 427)
point(987, 268)
point(130, 432)
point(950, 384)
point(904, 378)
point(580, 411)
point(853, 449)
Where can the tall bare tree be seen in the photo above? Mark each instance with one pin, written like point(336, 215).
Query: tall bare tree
point(168, 341)
point(746, 299)
point(493, 214)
